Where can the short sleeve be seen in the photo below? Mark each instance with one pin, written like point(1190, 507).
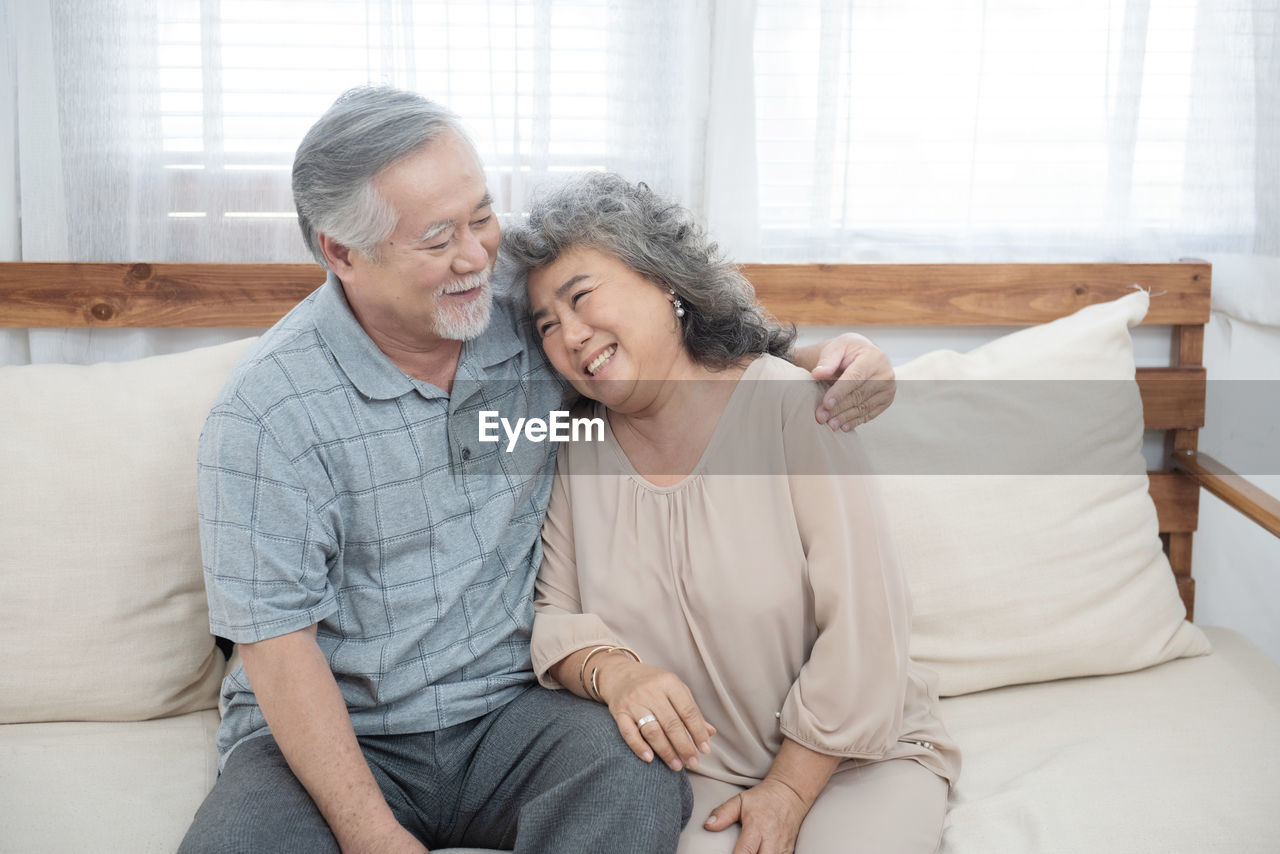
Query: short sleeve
point(559, 626)
point(848, 699)
point(265, 553)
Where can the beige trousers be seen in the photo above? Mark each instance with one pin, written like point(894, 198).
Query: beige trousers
point(893, 806)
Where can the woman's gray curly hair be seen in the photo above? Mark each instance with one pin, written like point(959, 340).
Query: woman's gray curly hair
point(661, 241)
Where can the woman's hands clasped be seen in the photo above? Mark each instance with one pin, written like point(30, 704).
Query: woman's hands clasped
point(655, 712)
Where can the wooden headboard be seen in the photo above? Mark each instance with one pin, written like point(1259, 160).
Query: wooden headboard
point(861, 295)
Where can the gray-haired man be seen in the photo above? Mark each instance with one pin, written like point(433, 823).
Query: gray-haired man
point(374, 562)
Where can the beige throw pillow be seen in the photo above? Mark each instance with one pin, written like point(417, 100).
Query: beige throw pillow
point(1017, 495)
point(102, 605)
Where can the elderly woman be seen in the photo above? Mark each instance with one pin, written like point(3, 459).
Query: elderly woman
point(716, 559)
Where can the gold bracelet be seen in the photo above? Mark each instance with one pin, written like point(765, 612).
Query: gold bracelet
point(593, 692)
point(582, 671)
point(595, 689)
point(629, 651)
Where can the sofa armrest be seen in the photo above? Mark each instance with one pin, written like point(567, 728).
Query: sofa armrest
point(1230, 487)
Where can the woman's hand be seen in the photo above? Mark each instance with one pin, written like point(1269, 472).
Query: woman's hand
point(655, 712)
point(770, 814)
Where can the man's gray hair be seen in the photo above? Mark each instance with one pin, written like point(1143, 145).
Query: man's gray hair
point(366, 130)
point(661, 241)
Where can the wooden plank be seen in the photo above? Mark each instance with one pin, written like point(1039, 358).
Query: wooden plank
point(1177, 500)
point(1231, 488)
point(1177, 548)
point(1179, 552)
point(972, 294)
point(1189, 346)
point(152, 295)
point(1172, 398)
point(1187, 592)
point(84, 294)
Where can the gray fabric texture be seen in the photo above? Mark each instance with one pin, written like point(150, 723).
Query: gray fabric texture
point(546, 772)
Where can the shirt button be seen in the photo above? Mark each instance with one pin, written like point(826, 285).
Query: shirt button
point(466, 453)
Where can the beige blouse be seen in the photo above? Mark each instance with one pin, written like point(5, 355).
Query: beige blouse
point(764, 580)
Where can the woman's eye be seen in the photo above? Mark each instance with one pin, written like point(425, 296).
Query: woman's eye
point(573, 300)
point(545, 328)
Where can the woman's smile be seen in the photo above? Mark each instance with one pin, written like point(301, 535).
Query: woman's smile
point(600, 360)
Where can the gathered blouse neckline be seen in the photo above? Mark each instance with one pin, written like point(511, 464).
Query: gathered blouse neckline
point(696, 473)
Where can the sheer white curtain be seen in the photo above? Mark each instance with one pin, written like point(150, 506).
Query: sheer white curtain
point(163, 130)
point(911, 130)
point(1017, 129)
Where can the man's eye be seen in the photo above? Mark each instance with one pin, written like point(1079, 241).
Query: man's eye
point(439, 246)
point(483, 221)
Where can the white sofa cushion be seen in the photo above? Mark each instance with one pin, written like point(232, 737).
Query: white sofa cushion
point(1017, 496)
point(1174, 759)
point(103, 614)
point(1169, 759)
point(129, 786)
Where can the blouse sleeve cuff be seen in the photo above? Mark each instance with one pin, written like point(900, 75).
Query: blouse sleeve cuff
point(558, 635)
point(849, 740)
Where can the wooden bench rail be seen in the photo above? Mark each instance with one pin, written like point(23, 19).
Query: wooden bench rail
point(972, 294)
point(234, 295)
point(152, 295)
point(1172, 398)
point(1231, 488)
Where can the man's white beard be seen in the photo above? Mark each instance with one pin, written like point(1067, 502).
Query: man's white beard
point(468, 320)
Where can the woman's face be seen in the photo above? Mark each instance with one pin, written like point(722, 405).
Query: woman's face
point(606, 328)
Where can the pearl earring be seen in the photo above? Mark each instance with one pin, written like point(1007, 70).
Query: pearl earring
point(676, 303)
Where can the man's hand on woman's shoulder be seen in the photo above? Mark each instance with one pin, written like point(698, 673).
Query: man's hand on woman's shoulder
point(862, 380)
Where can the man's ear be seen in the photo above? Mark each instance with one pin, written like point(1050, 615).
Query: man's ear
point(336, 255)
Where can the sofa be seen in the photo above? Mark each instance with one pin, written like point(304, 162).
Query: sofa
point(1049, 569)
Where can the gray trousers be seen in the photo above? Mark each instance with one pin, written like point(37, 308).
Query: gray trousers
point(547, 772)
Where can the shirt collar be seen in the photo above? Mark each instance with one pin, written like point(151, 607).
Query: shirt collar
point(368, 368)
point(375, 375)
point(500, 342)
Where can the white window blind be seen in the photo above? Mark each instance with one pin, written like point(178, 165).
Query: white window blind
point(241, 81)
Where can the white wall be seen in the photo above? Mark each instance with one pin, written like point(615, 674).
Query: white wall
point(1236, 563)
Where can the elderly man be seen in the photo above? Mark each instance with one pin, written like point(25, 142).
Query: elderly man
point(375, 562)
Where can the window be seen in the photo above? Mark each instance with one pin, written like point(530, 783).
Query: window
point(986, 123)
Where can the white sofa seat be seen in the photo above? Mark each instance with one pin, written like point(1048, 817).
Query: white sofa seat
point(1181, 757)
point(127, 786)
point(1075, 765)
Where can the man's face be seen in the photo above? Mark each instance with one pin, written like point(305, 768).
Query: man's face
point(431, 282)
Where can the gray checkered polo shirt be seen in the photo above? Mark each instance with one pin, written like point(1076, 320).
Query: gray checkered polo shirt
point(335, 489)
